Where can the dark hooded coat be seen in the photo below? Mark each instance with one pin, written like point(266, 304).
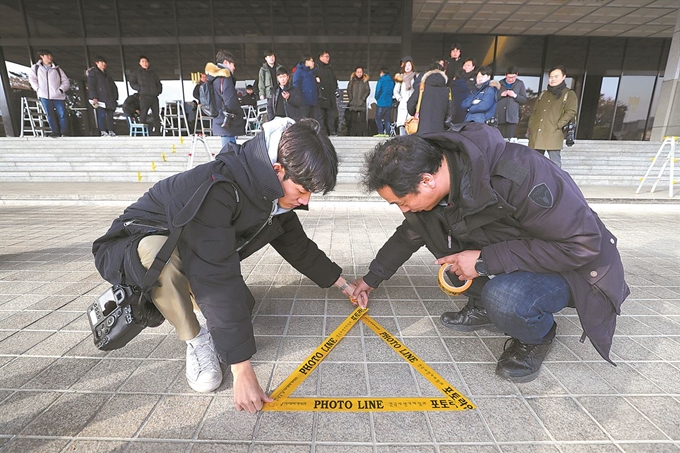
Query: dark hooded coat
point(492, 207)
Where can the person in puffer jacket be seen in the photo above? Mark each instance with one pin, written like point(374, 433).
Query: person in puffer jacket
point(51, 84)
point(481, 103)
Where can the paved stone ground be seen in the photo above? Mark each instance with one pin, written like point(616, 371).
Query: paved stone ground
point(58, 393)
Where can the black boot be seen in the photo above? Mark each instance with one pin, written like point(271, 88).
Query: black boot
point(521, 362)
point(469, 319)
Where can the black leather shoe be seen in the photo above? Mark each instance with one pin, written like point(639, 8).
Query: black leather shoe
point(468, 319)
point(521, 362)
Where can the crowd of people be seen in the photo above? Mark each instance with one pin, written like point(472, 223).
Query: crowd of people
point(451, 91)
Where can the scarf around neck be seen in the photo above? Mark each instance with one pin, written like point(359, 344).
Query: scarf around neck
point(408, 79)
point(557, 90)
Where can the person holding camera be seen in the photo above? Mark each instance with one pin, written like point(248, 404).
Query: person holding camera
point(513, 95)
point(228, 208)
point(287, 98)
point(555, 108)
point(230, 123)
point(518, 225)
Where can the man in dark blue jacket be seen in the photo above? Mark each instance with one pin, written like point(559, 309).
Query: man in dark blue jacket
point(229, 209)
point(517, 224)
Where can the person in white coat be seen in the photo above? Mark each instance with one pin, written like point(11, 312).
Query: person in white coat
point(404, 87)
point(51, 84)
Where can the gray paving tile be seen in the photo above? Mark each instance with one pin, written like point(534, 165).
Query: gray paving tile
point(175, 417)
point(58, 344)
point(223, 422)
point(651, 448)
point(590, 448)
point(208, 447)
point(566, 420)
point(664, 375)
point(482, 380)
point(579, 378)
point(121, 416)
point(20, 408)
point(627, 424)
point(17, 371)
point(153, 447)
point(664, 412)
point(327, 424)
point(153, 376)
point(510, 420)
point(96, 446)
point(343, 379)
point(625, 379)
point(283, 448)
point(400, 382)
point(285, 426)
point(19, 445)
point(390, 426)
point(67, 415)
point(107, 375)
point(416, 326)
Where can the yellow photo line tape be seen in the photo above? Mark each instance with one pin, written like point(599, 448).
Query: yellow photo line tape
point(306, 367)
point(449, 289)
point(454, 401)
point(366, 404)
point(423, 368)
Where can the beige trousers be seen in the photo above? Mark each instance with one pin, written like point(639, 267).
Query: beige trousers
point(172, 296)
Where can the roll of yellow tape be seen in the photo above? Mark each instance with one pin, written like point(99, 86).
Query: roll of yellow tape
point(449, 289)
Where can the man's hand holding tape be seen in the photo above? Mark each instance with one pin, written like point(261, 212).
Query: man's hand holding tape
point(462, 264)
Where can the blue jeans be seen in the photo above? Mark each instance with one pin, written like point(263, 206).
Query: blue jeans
point(51, 105)
point(105, 119)
point(382, 119)
point(227, 139)
point(522, 304)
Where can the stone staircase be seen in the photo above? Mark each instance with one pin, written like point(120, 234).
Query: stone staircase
point(150, 159)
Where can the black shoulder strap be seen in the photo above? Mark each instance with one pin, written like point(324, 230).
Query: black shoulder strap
point(161, 259)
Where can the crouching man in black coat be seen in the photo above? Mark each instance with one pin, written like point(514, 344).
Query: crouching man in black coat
point(229, 208)
point(515, 223)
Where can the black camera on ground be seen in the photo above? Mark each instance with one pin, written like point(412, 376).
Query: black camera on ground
point(228, 118)
point(569, 133)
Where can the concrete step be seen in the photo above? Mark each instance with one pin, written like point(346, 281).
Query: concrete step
point(134, 158)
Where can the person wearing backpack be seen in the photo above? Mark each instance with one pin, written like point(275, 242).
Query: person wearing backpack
point(229, 209)
point(554, 108)
point(228, 123)
point(51, 84)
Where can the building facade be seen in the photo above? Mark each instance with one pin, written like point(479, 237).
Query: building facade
point(618, 77)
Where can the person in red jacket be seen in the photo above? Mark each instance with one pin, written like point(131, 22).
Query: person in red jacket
point(511, 220)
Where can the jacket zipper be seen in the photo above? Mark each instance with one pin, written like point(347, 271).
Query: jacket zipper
point(267, 222)
point(446, 227)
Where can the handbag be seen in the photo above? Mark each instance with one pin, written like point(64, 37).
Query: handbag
point(411, 124)
point(123, 311)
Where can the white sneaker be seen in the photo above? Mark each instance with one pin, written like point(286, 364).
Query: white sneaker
point(105, 134)
point(204, 373)
point(112, 134)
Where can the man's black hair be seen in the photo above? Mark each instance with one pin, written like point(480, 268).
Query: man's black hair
point(308, 156)
point(385, 70)
point(281, 70)
point(474, 62)
point(249, 87)
point(305, 58)
point(42, 52)
point(455, 46)
point(486, 70)
point(268, 52)
point(400, 163)
point(224, 55)
point(324, 52)
point(143, 57)
point(512, 70)
point(560, 67)
point(99, 58)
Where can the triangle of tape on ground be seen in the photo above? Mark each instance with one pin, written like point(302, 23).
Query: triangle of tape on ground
point(453, 400)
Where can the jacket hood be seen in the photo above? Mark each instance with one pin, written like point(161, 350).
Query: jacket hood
point(435, 78)
point(496, 84)
point(365, 77)
point(399, 77)
point(303, 67)
point(211, 69)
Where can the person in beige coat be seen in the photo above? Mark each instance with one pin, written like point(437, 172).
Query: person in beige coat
point(554, 108)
